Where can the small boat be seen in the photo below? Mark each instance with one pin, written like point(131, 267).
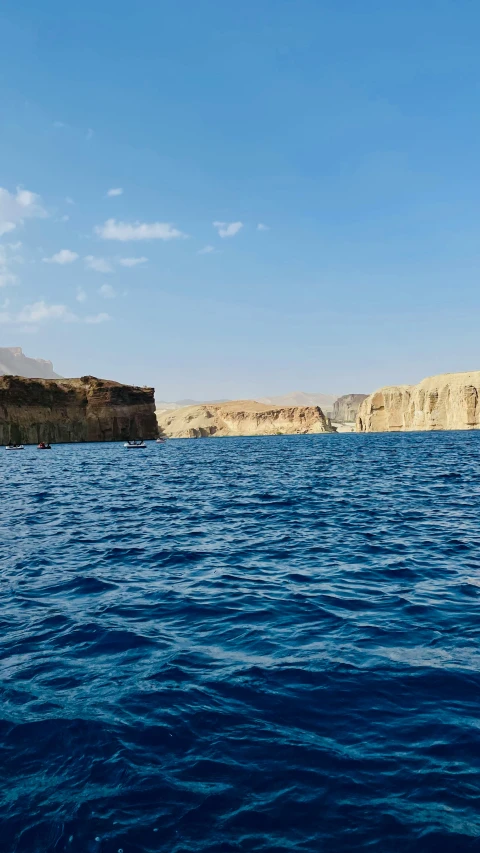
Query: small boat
point(160, 440)
point(135, 445)
point(43, 446)
point(15, 447)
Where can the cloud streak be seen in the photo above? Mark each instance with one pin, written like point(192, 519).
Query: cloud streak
point(64, 256)
point(98, 264)
point(41, 312)
point(7, 277)
point(126, 231)
point(94, 319)
point(227, 229)
point(115, 191)
point(132, 262)
point(38, 312)
point(15, 208)
point(107, 291)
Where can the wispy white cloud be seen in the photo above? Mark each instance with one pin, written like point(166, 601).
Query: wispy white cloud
point(228, 229)
point(81, 295)
point(89, 135)
point(69, 200)
point(97, 318)
point(41, 312)
point(114, 192)
point(125, 231)
point(59, 124)
point(38, 312)
point(107, 291)
point(7, 277)
point(133, 262)
point(262, 227)
point(15, 208)
point(64, 256)
point(207, 250)
point(98, 264)
point(64, 218)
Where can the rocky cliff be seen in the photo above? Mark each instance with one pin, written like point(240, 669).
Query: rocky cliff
point(68, 410)
point(14, 362)
point(242, 417)
point(345, 409)
point(447, 401)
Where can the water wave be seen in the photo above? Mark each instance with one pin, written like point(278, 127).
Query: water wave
point(262, 644)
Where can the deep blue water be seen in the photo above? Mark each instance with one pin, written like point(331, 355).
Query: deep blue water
point(261, 644)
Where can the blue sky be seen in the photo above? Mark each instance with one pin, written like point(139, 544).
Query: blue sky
point(347, 130)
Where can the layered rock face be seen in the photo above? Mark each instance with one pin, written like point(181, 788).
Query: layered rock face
point(447, 401)
point(14, 362)
point(70, 410)
point(242, 417)
point(345, 409)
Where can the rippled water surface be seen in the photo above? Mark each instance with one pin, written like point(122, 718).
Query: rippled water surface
point(265, 644)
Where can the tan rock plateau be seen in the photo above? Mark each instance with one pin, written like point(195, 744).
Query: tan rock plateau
point(68, 410)
point(242, 417)
point(447, 401)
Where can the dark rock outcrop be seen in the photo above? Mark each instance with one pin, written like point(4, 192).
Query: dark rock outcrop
point(71, 410)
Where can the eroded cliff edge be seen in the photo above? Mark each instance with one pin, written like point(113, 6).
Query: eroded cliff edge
point(447, 401)
point(72, 410)
point(242, 417)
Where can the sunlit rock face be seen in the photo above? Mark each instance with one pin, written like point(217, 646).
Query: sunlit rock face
point(447, 401)
point(242, 417)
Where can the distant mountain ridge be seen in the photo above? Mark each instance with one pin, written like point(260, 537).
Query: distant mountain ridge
point(165, 406)
point(302, 398)
point(14, 362)
point(295, 398)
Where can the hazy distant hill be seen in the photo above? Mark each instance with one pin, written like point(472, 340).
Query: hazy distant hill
point(296, 398)
point(302, 398)
point(14, 362)
point(164, 406)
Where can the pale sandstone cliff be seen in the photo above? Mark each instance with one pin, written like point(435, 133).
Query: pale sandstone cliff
point(69, 410)
point(345, 409)
point(242, 417)
point(447, 401)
